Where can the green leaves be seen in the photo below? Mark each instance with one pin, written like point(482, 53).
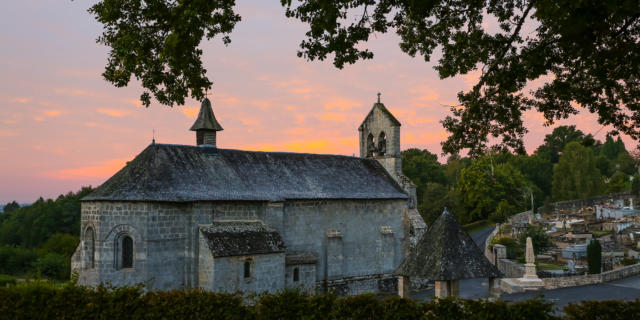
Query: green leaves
point(157, 43)
point(585, 54)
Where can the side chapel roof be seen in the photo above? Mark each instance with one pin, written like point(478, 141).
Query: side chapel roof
point(239, 238)
point(177, 173)
point(446, 252)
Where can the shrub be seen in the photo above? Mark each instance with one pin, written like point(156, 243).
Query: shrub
point(54, 265)
point(16, 260)
point(539, 238)
point(6, 280)
point(514, 250)
point(594, 256)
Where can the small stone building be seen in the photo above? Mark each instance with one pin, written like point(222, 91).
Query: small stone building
point(181, 216)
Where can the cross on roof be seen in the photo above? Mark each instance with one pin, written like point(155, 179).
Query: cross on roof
point(379, 97)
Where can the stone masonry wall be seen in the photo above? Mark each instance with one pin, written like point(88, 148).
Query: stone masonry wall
point(364, 246)
point(267, 273)
point(158, 233)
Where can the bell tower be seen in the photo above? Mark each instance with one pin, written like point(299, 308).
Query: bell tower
point(206, 126)
point(380, 138)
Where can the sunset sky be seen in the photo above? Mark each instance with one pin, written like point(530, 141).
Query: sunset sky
point(62, 126)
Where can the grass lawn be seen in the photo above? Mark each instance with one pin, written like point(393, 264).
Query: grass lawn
point(598, 234)
point(549, 266)
point(478, 225)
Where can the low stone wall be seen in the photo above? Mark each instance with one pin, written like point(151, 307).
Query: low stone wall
point(621, 273)
point(578, 203)
point(510, 269)
point(563, 282)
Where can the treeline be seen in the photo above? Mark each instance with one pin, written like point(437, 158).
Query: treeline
point(568, 165)
point(39, 239)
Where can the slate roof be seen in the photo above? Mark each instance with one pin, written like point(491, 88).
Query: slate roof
point(384, 110)
point(206, 119)
point(177, 173)
point(239, 238)
point(446, 252)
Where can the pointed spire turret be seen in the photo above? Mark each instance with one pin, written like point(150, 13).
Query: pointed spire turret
point(206, 125)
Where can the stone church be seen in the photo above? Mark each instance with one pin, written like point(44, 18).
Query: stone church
point(181, 216)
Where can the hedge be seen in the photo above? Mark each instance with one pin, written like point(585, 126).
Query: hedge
point(43, 301)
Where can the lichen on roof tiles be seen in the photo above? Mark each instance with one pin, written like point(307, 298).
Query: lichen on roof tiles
point(447, 252)
point(178, 173)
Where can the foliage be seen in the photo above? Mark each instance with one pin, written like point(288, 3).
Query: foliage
point(555, 142)
point(11, 206)
point(483, 185)
point(576, 176)
point(30, 226)
point(618, 183)
point(61, 244)
point(53, 265)
point(514, 249)
point(16, 260)
point(603, 310)
point(422, 167)
point(6, 280)
point(158, 43)
point(594, 257)
point(42, 236)
point(39, 300)
point(503, 212)
point(435, 199)
point(635, 184)
point(540, 240)
point(576, 54)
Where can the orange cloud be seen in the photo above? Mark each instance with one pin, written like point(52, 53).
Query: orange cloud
point(53, 113)
point(22, 100)
point(38, 118)
point(134, 102)
point(113, 112)
point(190, 112)
point(103, 170)
point(298, 131)
point(316, 146)
point(333, 117)
point(74, 92)
point(342, 104)
point(7, 133)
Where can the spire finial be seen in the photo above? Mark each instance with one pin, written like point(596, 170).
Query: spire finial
point(153, 137)
point(379, 97)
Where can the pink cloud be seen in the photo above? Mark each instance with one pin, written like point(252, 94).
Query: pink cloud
point(22, 100)
point(337, 117)
point(101, 170)
point(113, 112)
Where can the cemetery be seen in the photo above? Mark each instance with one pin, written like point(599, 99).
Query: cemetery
point(584, 243)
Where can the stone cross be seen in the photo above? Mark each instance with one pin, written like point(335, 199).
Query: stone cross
point(379, 97)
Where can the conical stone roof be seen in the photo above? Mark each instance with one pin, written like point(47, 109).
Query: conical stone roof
point(206, 119)
point(446, 252)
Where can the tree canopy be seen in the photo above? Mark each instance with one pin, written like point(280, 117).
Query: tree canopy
point(576, 176)
point(578, 55)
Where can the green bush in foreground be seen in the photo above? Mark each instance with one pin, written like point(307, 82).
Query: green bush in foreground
point(40, 300)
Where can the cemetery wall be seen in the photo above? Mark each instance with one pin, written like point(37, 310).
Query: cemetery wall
point(510, 269)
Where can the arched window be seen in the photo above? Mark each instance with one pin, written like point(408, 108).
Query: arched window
point(382, 144)
point(127, 252)
point(247, 269)
point(296, 275)
point(371, 145)
point(90, 247)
